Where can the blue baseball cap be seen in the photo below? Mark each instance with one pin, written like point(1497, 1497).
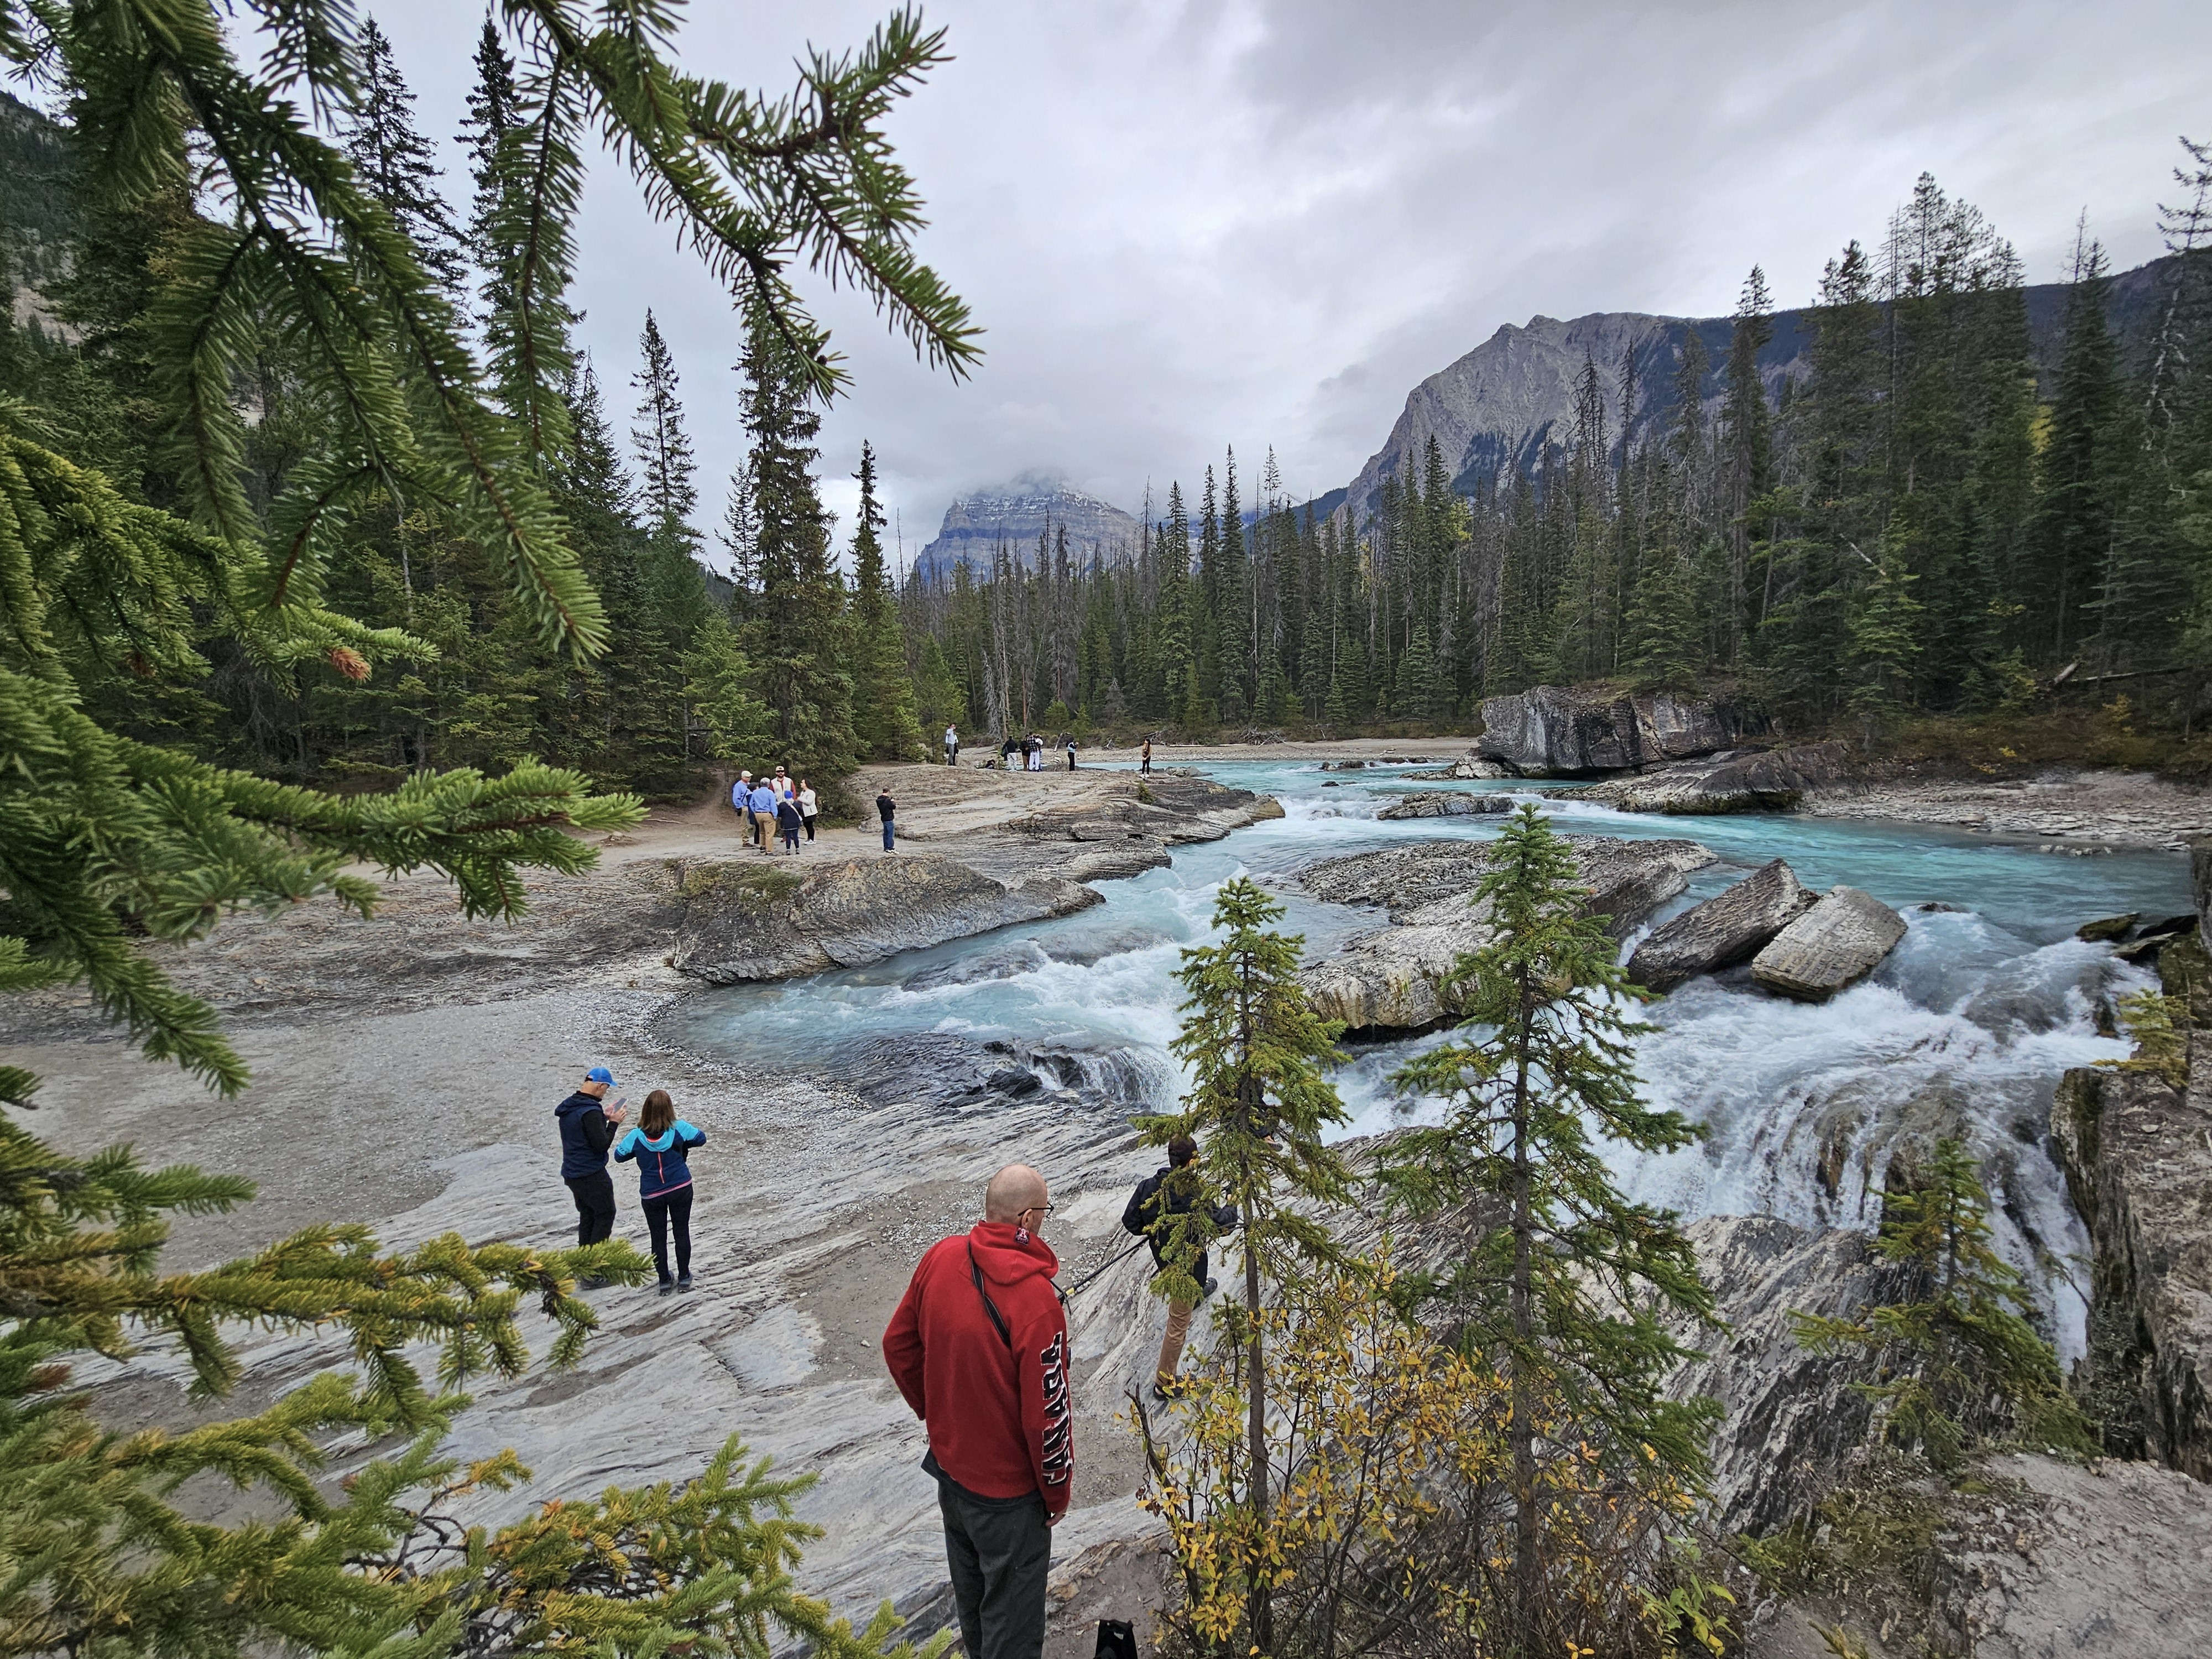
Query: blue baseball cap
point(598, 1074)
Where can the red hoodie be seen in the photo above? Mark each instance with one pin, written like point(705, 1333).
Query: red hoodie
point(998, 1414)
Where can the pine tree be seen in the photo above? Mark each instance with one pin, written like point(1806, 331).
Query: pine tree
point(395, 163)
point(669, 496)
point(1232, 599)
point(2074, 527)
point(1746, 427)
point(883, 691)
point(1258, 1105)
point(799, 637)
point(1541, 1224)
point(1959, 1360)
point(1884, 637)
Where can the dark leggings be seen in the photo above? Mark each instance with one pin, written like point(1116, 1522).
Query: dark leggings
point(595, 1206)
point(674, 1206)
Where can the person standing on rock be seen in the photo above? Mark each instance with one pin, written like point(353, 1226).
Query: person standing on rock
point(1164, 1212)
point(885, 806)
point(588, 1129)
point(1144, 758)
point(952, 745)
point(662, 1144)
point(790, 820)
point(1071, 751)
point(810, 806)
point(978, 1349)
point(741, 802)
point(763, 806)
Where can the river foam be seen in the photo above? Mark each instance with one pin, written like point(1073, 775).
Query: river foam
point(1965, 1029)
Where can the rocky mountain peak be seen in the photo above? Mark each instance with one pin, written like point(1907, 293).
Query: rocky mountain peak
point(1031, 504)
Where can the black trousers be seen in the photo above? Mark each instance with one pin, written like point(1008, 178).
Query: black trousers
point(595, 1206)
point(671, 1209)
point(998, 1550)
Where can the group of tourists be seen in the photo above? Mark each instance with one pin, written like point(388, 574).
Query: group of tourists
point(772, 806)
point(978, 1346)
point(1027, 754)
point(661, 1144)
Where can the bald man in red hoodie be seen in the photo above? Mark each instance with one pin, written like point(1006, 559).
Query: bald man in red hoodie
point(979, 1348)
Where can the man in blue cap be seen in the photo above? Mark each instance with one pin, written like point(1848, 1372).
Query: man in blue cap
point(588, 1129)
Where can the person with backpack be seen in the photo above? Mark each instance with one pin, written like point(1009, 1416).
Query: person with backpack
point(588, 1126)
point(790, 820)
point(661, 1146)
point(1165, 1212)
point(978, 1349)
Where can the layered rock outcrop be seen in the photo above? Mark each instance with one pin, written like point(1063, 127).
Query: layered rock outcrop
point(2138, 1164)
point(1835, 944)
point(1446, 804)
point(1725, 930)
point(1754, 780)
point(1558, 731)
point(752, 920)
point(1387, 981)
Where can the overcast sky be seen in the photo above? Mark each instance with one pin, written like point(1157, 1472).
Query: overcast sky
point(1186, 226)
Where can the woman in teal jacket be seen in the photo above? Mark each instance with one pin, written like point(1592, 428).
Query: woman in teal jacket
point(661, 1145)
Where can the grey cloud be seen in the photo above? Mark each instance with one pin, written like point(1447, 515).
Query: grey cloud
point(1191, 225)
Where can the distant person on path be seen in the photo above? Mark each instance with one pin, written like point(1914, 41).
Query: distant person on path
point(790, 820)
point(763, 805)
point(741, 802)
point(1156, 1213)
point(662, 1144)
point(588, 1129)
point(885, 806)
point(1071, 754)
point(810, 806)
point(1144, 761)
point(1037, 753)
point(979, 1348)
point(952, 745)
point(1007, 751)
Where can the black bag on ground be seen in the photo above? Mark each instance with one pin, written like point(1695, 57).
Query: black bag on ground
point(1117, 1639)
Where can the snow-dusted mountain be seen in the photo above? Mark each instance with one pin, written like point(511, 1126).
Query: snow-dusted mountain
point(1017, 512)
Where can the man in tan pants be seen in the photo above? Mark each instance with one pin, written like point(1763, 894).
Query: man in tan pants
point(1166, 1212)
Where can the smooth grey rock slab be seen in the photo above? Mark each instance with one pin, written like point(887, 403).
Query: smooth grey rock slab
point(1838, 942)
point(1731, 928)
point(1552, 730)
point(1446, 803)
point(1757, 781)
point(1387, 981)
point(751, 919)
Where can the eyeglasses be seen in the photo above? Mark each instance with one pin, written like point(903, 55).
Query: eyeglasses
point(1038, 1209)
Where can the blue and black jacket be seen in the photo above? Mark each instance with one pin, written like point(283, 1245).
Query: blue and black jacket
point(662, 1168)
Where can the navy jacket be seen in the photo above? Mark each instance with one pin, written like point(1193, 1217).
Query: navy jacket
point(1157, 1211)
point(663, 1160)
point(586, 1134)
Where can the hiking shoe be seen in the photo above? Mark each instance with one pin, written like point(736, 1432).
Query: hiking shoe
point(668, 1287)
point(1166, 1392)
point(1211, 1285)
point(593, 1282)
point(685, 1283)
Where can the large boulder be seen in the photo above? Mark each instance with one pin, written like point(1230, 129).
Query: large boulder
point(1772, 779)
point(1733, 927)
point(754, 918)
point(1838, 942)
point(2139, 1167)
point(1387, 981)
point(1560, 731)
point(1446, 804)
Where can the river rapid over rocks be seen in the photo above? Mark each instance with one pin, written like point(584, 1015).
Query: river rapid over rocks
point(1964, 1029)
